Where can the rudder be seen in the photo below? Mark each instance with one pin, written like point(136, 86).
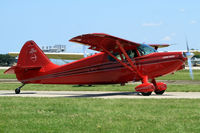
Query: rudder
point(32, 56)
point(32, 62)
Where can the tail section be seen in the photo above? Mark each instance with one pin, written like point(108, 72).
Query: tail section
point(32, 56)
point(32, 62)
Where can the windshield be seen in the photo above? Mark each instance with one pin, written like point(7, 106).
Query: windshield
point(145, 49)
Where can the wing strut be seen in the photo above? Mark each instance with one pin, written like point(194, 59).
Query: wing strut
point(128, 58)
point(132, 68)
point(125, 65)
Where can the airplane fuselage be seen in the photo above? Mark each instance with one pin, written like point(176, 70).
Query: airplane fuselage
point(98, 69)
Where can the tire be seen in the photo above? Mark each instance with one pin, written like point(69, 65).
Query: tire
point(146, 93)
point(159, 92)
point(17, 91)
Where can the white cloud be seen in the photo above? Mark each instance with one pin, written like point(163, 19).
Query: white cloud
point(167, 38)
point(193, 22)
point(152, 24)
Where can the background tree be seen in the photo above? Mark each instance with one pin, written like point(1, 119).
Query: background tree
point(6, 60)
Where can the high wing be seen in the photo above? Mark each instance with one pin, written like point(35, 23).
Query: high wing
point(65, 56)
point(107, 43)
point(100, 41)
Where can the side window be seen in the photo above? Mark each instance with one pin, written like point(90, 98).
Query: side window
point(117, 55)
point(132, 53)
point(110, 58)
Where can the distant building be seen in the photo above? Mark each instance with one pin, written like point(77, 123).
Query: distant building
point(54, 49)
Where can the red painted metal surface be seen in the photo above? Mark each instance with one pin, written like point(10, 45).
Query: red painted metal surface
point(34, 67)
point(145, 87)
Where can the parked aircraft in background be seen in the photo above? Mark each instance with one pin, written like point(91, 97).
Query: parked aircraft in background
point(195, 61)
point(118, 62)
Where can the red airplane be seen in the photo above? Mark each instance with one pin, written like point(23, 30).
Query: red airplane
point(118, 62)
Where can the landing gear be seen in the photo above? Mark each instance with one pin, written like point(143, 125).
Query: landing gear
point(146, 93)
point(17, 90)
point(159, 87)
point(145, 88)
point(159, 92)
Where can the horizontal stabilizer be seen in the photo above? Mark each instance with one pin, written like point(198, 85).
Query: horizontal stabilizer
point(10, 70)
point(13, 68)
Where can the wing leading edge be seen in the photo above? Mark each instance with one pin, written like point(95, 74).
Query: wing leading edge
point(97, 41)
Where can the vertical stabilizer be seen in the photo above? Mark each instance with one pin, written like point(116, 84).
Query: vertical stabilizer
point(31, 55)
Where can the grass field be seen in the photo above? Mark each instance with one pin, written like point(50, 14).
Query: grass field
point(6, 76)
point(86, 115)
point(181, 75)
point(129, 87)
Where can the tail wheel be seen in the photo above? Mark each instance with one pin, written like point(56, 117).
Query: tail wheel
point(146, 93)
point(17, 91)
point(159, 92)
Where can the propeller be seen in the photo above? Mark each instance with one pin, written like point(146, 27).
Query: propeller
point(189, 56)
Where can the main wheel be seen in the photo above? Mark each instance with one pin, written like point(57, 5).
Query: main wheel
point(17, 91)
point(159, 92)
point(146, 93)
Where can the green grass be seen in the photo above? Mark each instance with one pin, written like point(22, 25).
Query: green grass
point(129, 87)
point(6, 76)
point(45, 87)
point(181, 75)
point(183, 88)
point(87, 115)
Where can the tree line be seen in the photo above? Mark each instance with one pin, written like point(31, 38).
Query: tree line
point(6, 60)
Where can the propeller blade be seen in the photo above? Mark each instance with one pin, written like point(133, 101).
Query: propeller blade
point(188, 50)
point(190, 68)
point(189, 56)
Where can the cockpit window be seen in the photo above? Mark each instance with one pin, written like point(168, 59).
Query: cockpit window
point(145, 49)
point(117, 55)
point(130, 53)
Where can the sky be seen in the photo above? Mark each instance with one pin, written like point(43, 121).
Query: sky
point(50, 22)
